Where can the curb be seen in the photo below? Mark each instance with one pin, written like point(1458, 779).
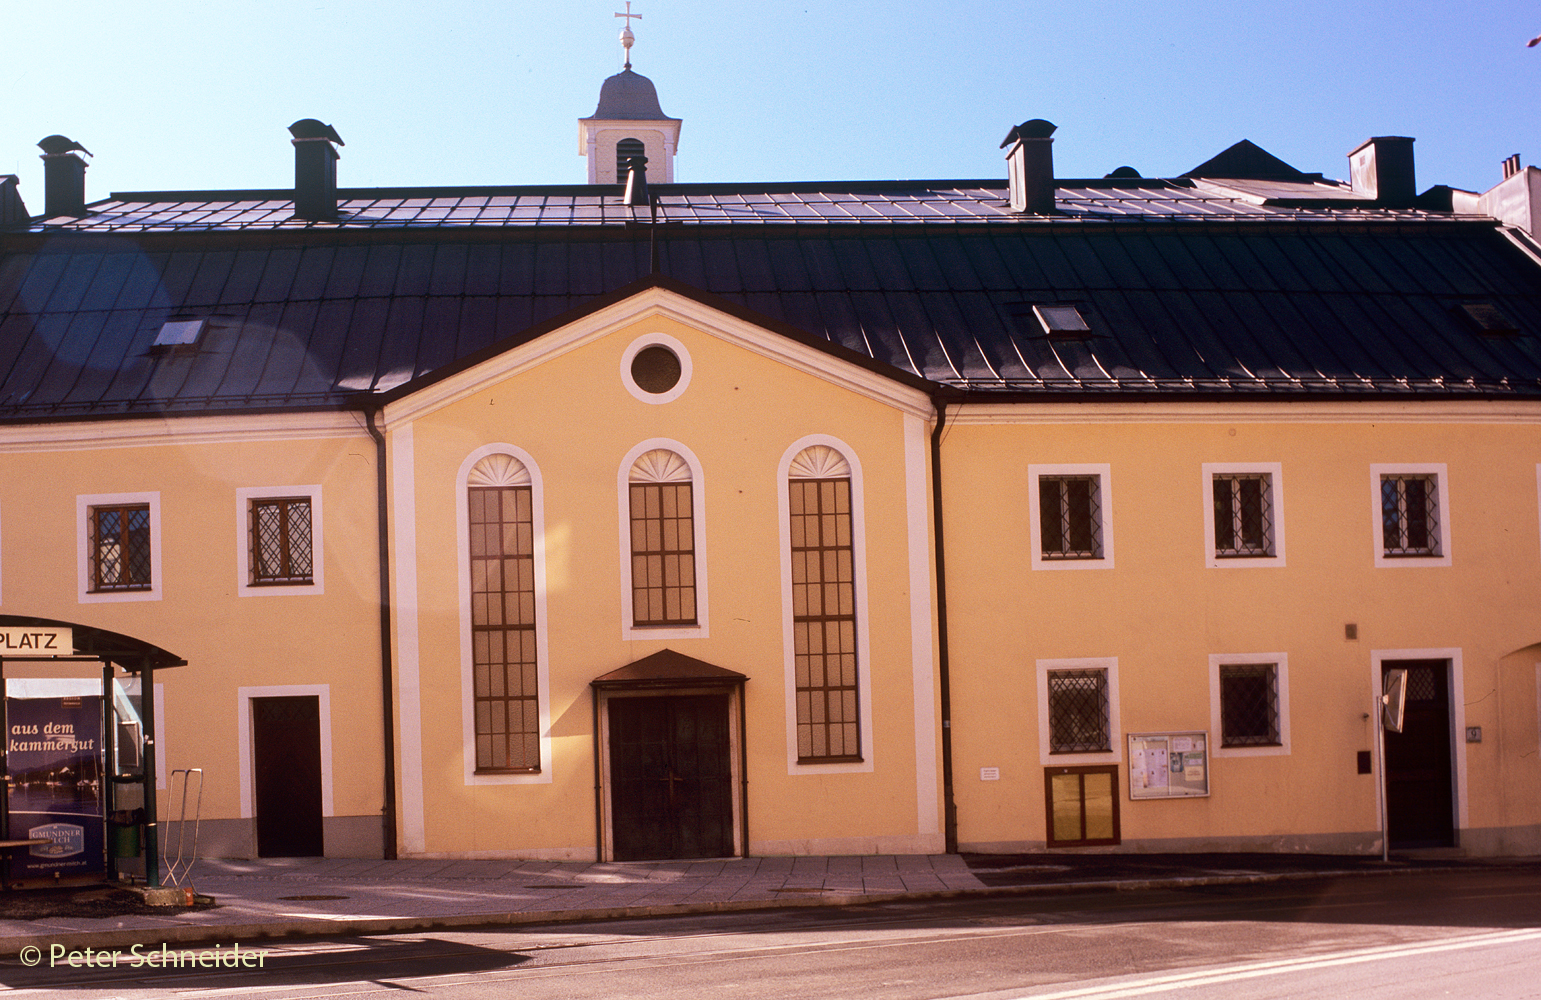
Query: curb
point(311, 927)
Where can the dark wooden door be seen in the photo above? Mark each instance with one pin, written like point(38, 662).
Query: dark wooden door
point(671, 792)
point(1420, 810)
point(286, 761)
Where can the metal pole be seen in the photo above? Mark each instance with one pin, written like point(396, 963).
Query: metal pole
point(109, 768)
point(1380, 780)
point(152, 862)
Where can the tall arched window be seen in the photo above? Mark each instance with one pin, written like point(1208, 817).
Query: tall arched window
point(505, 686)
point(663, 549)
point(625, 150)
point(824, 608)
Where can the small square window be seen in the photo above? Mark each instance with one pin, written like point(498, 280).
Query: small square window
point(280, 548)
point(1069, 517)
point(120, 548)
point(1249, 704)
point(281, 541)
point(1243, 515)
point(1078, 711)
point(1070, 512)
point(1410, 516)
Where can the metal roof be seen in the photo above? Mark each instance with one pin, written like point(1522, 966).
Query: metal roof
point(960, 201)
point(1186, 290)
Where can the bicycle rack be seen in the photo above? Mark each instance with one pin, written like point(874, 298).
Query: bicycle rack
point(177, 870)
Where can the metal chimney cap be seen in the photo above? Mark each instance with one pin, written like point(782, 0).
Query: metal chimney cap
point(1033, 128)
point(56, 145)
point(312, 128)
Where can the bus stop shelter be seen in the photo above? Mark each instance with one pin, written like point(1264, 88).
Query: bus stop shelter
point(79, 760)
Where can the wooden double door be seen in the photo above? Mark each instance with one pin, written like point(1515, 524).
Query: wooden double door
point(671, 777)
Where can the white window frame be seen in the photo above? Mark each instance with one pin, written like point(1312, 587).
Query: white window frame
point(83, 504)
point(1275, 474)
point(702, 628)
point(1105, 504)
point(1114, 753)
point(1280, 662)
point(641, 344)
point(463, 583)
point(323, 695)
point(243, 505)
point(1442, 478)
point(863, 635)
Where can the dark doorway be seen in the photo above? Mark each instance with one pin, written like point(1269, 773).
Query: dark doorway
point(671, 777)
point(1420, 811)
point(286, 761)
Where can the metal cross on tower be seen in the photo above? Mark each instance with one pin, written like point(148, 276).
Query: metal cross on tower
point(627, 38)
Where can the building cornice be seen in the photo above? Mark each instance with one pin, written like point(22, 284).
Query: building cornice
point(179, 431)
point(1282, 411)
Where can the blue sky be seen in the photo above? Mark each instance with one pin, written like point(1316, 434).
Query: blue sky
point(196, 95)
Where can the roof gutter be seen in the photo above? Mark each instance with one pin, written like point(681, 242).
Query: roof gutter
point(387, 699)
point(943, 658)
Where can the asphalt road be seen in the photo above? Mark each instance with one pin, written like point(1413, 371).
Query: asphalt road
point(1465, 934)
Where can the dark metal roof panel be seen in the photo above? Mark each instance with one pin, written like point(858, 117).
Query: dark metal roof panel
point(1173, 308)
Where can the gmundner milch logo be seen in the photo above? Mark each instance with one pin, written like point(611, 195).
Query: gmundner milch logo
point(68, 840)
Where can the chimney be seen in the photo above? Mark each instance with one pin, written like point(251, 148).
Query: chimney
point(1382, 168)
point(1511, 166)
point(64, 177)
point(636, 181)
point(1030, 166)
point(315, 169)
point(12, 211)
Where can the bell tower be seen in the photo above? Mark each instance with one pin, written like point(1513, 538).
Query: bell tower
point(628, 121)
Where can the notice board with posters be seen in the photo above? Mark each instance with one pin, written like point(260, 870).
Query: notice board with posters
point(1168, 765)
point(54, 757)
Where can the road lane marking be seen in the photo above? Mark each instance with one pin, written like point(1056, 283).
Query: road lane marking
point(1255, 970)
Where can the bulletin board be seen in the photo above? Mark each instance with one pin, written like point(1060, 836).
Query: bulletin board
point(1168, 765)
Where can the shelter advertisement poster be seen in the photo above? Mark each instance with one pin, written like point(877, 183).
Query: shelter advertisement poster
point(55, 785)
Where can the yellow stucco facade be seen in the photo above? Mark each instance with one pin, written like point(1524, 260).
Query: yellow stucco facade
point(1157, 614)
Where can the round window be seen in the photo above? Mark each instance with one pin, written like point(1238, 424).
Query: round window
point(655, 369)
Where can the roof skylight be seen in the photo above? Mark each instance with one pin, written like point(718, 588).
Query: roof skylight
point(1486, 317)
point(180, 332)
point(1062, 321)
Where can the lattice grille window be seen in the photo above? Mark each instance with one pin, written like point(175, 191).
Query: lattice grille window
point(281, 544)
point(1421, 683)
point(1244, 515)
point(503, 647)
point(1410, 515)
point(824, 612)
point(1078, 711)
point(1070, 517)
point(120, 547)
point(1249, 704)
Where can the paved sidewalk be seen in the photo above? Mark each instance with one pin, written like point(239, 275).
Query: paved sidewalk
point(313, 896)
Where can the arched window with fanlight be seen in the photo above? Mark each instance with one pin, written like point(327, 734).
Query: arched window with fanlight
point(663, 550)
point(821, 537)
point(506, 683)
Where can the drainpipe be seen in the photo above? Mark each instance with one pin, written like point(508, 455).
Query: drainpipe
point(943, 664)
point(387, 699)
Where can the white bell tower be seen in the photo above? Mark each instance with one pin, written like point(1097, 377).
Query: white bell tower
point(628, 121)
